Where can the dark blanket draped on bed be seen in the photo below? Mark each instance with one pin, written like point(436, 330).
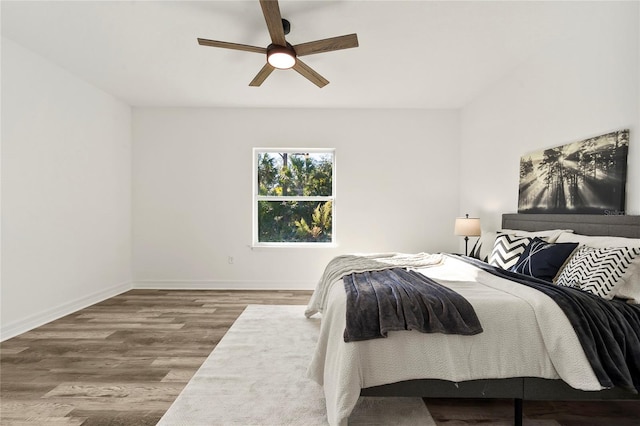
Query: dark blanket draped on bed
point(608, 330)
point(397, 299)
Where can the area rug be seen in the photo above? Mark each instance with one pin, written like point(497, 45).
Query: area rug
point(256, 376)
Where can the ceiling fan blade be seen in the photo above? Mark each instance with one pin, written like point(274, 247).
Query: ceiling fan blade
point(227, 45)
point(262, 75)
point(271, 12)
point(307, 72)
point(327, 45)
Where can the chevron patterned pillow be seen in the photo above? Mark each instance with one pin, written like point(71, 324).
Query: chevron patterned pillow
point(598, 270)
point(507, 250)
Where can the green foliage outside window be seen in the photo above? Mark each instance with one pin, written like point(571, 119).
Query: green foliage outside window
point(295, 197)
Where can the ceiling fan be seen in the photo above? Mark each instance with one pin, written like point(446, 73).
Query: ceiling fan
point(281, 54)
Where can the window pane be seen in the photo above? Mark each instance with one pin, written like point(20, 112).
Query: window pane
point(295, 174)
point(294, 221)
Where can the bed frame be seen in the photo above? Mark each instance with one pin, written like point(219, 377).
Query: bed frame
point(525, 388)
point(585, 224)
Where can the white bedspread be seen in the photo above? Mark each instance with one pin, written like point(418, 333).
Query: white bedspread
point(525, 335)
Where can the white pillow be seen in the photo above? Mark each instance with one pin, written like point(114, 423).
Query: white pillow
point(549, 236)
point(630, 288)
point(599, 242)
point(598, 270)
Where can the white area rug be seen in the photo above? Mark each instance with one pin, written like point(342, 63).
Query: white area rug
point(256, 376)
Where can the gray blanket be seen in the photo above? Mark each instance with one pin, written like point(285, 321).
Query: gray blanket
point(347, 264)
point(609, 330)
point(398, 299)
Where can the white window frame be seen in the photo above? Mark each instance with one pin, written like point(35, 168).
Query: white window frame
point(256, 198)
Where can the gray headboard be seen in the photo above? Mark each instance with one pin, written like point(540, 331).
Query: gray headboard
point(585, 224)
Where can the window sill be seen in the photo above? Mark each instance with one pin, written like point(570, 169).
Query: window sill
point(260, 246)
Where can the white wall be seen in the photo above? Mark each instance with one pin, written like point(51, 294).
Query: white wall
point(397, 189)
point(66, 192)
point(585, 86)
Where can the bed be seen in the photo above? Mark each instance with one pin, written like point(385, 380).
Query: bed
point(528, 349)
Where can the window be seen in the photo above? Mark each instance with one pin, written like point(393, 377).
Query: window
point(294, 197)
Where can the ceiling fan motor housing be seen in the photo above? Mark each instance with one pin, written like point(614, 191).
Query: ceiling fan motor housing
point(282, 57)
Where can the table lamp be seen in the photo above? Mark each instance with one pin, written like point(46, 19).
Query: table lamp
point(467, 227)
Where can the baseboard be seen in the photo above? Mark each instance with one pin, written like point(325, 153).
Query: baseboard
point(222, 285)
point(18, 327)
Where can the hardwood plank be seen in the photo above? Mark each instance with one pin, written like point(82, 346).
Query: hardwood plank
point(182, 375)
point(39, 421)
point(116, 396)
point(174, 362)
point(54, 334)
point(12, 351)
point(14, 409)
point(166, 325)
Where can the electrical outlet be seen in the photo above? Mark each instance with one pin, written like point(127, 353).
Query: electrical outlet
point(230, 260)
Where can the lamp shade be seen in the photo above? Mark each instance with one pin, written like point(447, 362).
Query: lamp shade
point(467, 226)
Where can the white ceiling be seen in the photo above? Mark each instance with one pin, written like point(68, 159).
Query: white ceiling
point(412, 54)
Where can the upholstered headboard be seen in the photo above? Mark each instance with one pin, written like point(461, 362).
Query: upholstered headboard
point(617, 226)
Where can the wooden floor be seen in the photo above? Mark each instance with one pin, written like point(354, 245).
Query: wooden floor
point(124, 361)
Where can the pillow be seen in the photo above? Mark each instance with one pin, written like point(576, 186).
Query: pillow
point(550, 235)
point(598, 242)
point(630, 289)
point(543, 260)
point(507, 250)
point(599, 270)
point(483, 246)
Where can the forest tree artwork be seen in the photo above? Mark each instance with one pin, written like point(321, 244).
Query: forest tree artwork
point(585, 177)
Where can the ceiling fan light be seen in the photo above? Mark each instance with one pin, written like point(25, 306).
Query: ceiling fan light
point(281, 57)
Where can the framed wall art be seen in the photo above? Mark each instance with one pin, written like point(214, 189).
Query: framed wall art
point(585, 177)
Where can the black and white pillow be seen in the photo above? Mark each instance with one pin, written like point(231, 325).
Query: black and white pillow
point(598, 270)
point(630, 289)
point(483, 246)
point(507, 250)
point(543, 260)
